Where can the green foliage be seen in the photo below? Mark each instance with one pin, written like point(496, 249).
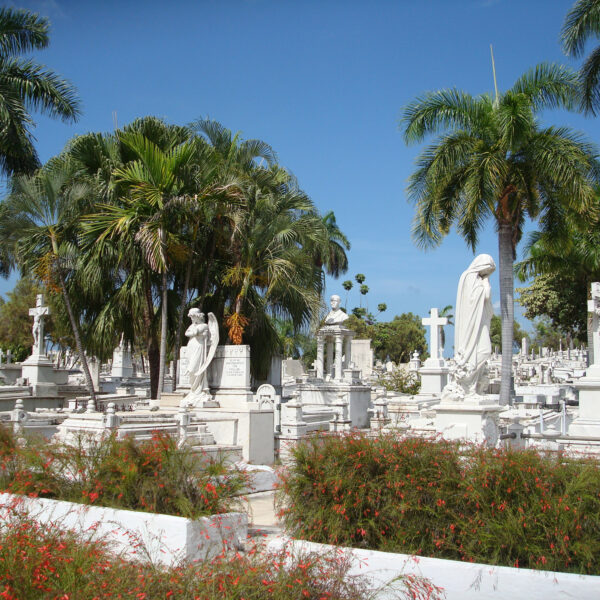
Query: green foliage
point(364, 289)
point(15, 322)
point(152, 476)
point(397, 339)
point(401, 381)
point(359, 312)
point(561, 298)
point(360, 278)
point(496, 332)
point(581, 23)
point(382, 307)
point(26, 85)
point(545, 334)
point(434, 498)
point(347, 285)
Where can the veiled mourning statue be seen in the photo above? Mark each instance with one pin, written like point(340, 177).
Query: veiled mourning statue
point(472, 345)
point(201, 348)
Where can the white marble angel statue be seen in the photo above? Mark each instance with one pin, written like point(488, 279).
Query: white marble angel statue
point(201, 348)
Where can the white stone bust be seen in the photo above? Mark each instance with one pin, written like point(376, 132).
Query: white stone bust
point(336, 315)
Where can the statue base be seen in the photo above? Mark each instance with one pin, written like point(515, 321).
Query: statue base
point(474, 420)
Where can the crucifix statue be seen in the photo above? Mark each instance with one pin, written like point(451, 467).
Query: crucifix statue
point(38, 313)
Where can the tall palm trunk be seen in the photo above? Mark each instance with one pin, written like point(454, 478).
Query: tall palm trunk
point(505, 252)
point(163, 337)
point(77, 336)
point(186, 287)
point(151, 345)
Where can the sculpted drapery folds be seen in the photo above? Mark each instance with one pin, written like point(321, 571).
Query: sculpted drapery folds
point(203, 340)
point(474, 313)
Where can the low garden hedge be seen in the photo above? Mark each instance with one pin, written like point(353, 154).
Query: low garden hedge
point(444, 500)
point(151, 476)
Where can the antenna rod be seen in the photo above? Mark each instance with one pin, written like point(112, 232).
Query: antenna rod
point(494, 72)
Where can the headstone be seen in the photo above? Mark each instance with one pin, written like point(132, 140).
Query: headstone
point(292, 367)
point(229, 374)
point(9, 357)
point(121, 364)
point(362, 357)
point(415, 362)
point(524, 347)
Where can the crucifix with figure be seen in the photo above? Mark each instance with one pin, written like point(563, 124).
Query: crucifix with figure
point(38, 313)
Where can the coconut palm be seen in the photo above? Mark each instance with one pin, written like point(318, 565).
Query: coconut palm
point(581, 23)
point(26, 86)
point(43, 211)
point(494, 160)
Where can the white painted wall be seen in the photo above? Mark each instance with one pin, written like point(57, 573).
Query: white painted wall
point(164, 539)
point(461, 581)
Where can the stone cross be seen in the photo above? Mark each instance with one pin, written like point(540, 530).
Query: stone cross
point(594, 309)
point(436, 323)
point(38, 313)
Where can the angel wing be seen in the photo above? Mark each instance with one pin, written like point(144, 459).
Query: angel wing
point(213, 329)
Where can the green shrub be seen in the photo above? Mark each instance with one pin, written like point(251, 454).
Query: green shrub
point(152, 476)
point(401, 381)
point(434, 498)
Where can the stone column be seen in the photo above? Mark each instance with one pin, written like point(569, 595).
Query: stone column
point(347, 351)
point(329, 355)
point(338, 356)
point(319, 361)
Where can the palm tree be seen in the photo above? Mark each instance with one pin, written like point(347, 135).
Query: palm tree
point(153, 185)
point(494, 160)
point(581, 23)
point(333, 255)
point(43, 211)
point(26, 86)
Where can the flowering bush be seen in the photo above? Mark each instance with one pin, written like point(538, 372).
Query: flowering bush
point(153, 476)
point(434, 498)
point(48, 563)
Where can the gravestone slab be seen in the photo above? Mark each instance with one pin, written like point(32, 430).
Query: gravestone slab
point(362, 356)
point(229, 374)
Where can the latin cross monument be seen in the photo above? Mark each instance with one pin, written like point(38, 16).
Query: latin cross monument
point(435, 322)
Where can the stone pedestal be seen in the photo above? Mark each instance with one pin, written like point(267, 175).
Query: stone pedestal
point(434, 376)
point(587, 422)
point(358, 396)
point(39, 372)
point(474, 421)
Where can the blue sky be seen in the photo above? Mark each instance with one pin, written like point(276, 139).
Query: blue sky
point(323, 82)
